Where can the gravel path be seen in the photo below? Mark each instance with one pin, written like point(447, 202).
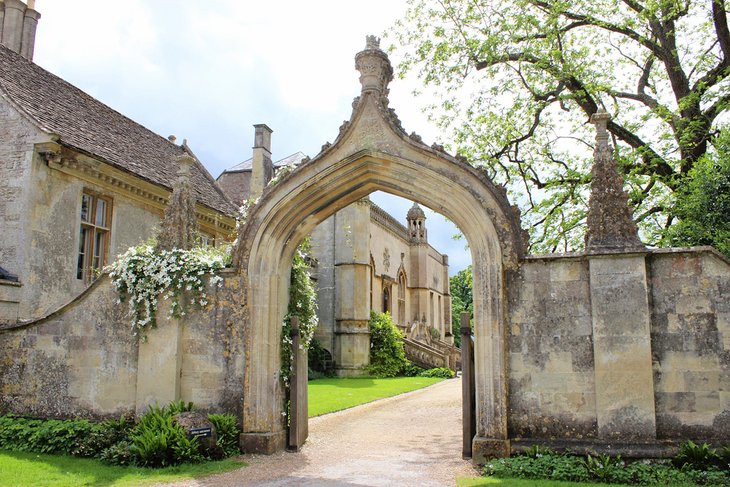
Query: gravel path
point(409, 440)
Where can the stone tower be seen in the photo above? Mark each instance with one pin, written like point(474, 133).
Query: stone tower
point(18, 23)
point(417, 224)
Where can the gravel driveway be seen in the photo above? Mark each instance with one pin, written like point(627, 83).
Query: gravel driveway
point(409, 440)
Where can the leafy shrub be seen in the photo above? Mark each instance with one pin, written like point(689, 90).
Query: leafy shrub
point(228, 432)
point(695, 456)
point(118, 454)
point(43, 436)
point(541, 463)
point(443, 372)
point(604, 467)
point(554, 467)
point(387, 357)
point(412, 370)
point(155, 441)
point(158, 442)
point(107, 434)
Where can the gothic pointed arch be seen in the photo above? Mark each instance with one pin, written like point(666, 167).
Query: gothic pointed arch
point(373, 152)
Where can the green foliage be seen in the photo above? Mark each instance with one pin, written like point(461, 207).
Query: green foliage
point(542, 463)
point(537, 451)
point(412, 370)
point(228, 431)
point(118, 454)
point(302, 304)
point(443, 372)
point(108, 434)
point(387, 357)
point(703, 202)
point(696, 456)
point(603, 467)
point(514, 82)
point(554, 467)
point(157, 441)
point(45, 436)
point(460, 287)
point(144, 274)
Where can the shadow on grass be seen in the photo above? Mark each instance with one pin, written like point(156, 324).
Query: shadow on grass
point(21, 469)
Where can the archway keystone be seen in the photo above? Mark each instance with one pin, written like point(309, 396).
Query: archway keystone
point(372, 152)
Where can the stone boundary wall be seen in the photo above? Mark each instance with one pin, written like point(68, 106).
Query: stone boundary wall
point(83, 361)
point(625, 351)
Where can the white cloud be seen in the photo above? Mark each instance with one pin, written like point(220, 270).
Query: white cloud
point(207, 71)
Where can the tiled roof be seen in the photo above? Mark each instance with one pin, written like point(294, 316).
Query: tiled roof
point(87, 125)
point(292, 160)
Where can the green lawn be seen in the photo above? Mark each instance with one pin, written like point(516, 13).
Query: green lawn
point(25, 469)
point(330, 395)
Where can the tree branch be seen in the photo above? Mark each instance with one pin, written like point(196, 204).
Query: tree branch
point(719, 17)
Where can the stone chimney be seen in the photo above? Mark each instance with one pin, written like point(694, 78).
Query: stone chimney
point(18, 23)
point(262, 169)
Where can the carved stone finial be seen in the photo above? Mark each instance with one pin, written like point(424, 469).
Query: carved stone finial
point(375, 68)
point(600, 120)
point(179, 227)
point(610, 226)
point(372, 42)
point(184, 165)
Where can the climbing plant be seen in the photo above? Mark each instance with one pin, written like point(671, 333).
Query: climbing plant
point(302, 304)
point(145, 274)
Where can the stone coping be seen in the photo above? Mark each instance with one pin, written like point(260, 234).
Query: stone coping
point(609, 253)
point(20, 324)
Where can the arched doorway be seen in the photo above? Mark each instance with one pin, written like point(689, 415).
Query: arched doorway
point(372, 152)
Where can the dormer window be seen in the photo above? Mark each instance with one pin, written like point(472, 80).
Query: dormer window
point(96, 215)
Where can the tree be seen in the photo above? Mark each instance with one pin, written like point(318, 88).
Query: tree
point(517, 80)
point(462, 299)
point(703, 204)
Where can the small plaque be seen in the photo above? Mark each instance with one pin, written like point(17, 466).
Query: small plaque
point(200, 433)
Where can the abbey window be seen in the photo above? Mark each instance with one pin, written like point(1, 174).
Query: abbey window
point(94, 235)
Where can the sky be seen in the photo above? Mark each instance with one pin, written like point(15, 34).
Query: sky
point(208, 71)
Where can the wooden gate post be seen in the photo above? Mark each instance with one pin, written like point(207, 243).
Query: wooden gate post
point(298, 394)
point(468, 398)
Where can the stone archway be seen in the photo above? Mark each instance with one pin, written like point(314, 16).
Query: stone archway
point(373, 152)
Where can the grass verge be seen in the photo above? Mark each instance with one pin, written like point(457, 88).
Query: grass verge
point(336, 394)
point(35, 469)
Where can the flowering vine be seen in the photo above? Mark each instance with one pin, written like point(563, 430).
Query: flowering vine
point(302, 304)
point(144, 274)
